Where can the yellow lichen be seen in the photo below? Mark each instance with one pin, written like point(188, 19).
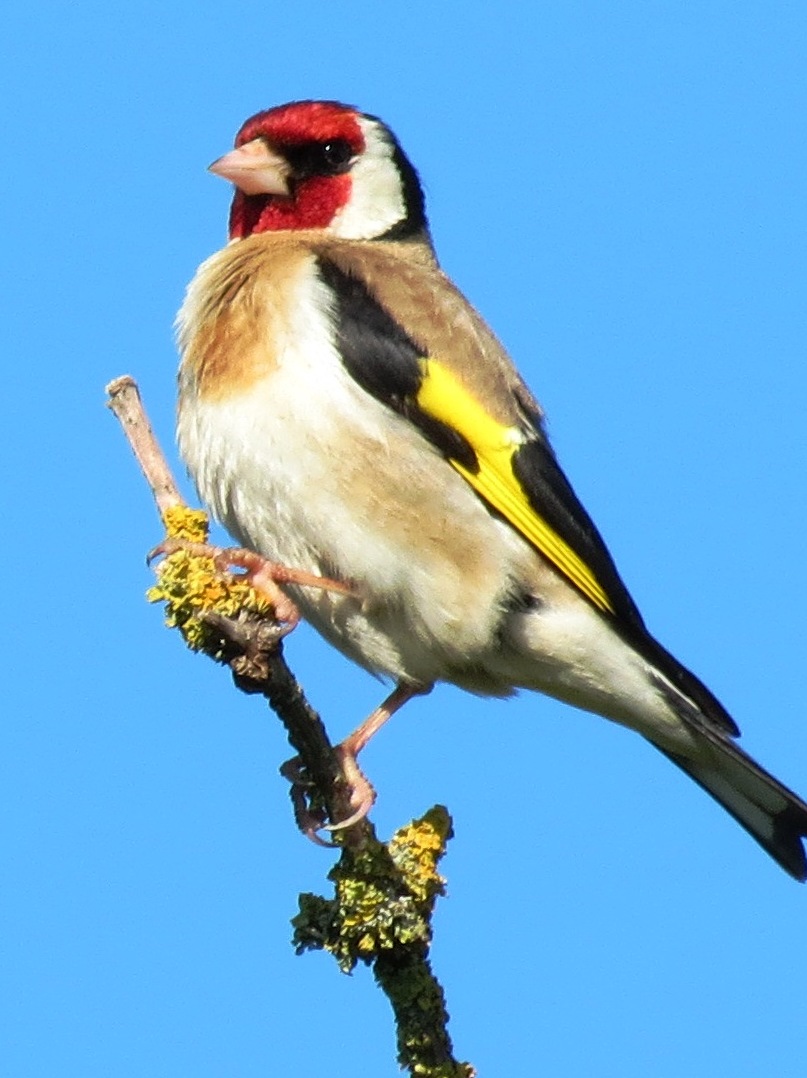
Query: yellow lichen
point(182, 522)
point(192, 585)
point(416, 849)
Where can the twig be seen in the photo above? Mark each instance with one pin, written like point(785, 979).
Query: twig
point(385, 894)
point(125, 402)
point(248, 641)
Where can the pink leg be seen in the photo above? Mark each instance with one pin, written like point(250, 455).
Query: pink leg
point(362, 794)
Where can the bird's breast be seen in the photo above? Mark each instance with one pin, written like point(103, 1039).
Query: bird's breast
point(300, 463)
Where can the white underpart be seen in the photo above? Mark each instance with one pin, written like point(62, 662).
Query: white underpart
point(308, 469)
point(376, 200)
point(293, 468)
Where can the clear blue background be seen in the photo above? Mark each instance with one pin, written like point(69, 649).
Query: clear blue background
point(620, 188)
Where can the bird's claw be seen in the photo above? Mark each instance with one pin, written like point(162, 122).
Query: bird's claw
point(310, 819)
point(263, 575)
point(362, 795)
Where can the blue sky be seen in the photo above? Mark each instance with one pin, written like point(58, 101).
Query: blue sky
point(621, 191)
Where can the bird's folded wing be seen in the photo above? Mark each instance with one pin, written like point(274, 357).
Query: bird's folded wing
point(468, 400)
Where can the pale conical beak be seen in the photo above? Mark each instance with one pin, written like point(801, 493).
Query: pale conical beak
point(255, 168)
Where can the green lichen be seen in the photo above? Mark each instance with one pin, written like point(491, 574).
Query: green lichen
point(384, 895)
point(380, 915)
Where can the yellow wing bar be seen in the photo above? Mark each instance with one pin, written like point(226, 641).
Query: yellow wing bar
point(443, 397)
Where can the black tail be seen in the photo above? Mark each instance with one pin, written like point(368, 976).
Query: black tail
point(769, 812)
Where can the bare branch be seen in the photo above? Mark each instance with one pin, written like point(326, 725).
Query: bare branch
point(125, 402)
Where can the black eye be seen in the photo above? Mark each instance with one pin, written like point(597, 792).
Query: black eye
point(337, 154)
point(320, 158)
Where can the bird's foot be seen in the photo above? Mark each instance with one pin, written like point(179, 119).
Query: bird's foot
point(362, 795)
point(309, 813)
point(263, 575)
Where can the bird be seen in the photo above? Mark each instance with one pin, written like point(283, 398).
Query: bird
point(346, 412)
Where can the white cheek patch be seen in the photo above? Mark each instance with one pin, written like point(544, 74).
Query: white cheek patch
point(376, 200)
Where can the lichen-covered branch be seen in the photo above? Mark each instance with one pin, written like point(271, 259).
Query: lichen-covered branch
point(384, 893)
point(381, 915)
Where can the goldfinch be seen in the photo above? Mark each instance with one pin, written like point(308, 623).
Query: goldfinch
point(344, 411)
